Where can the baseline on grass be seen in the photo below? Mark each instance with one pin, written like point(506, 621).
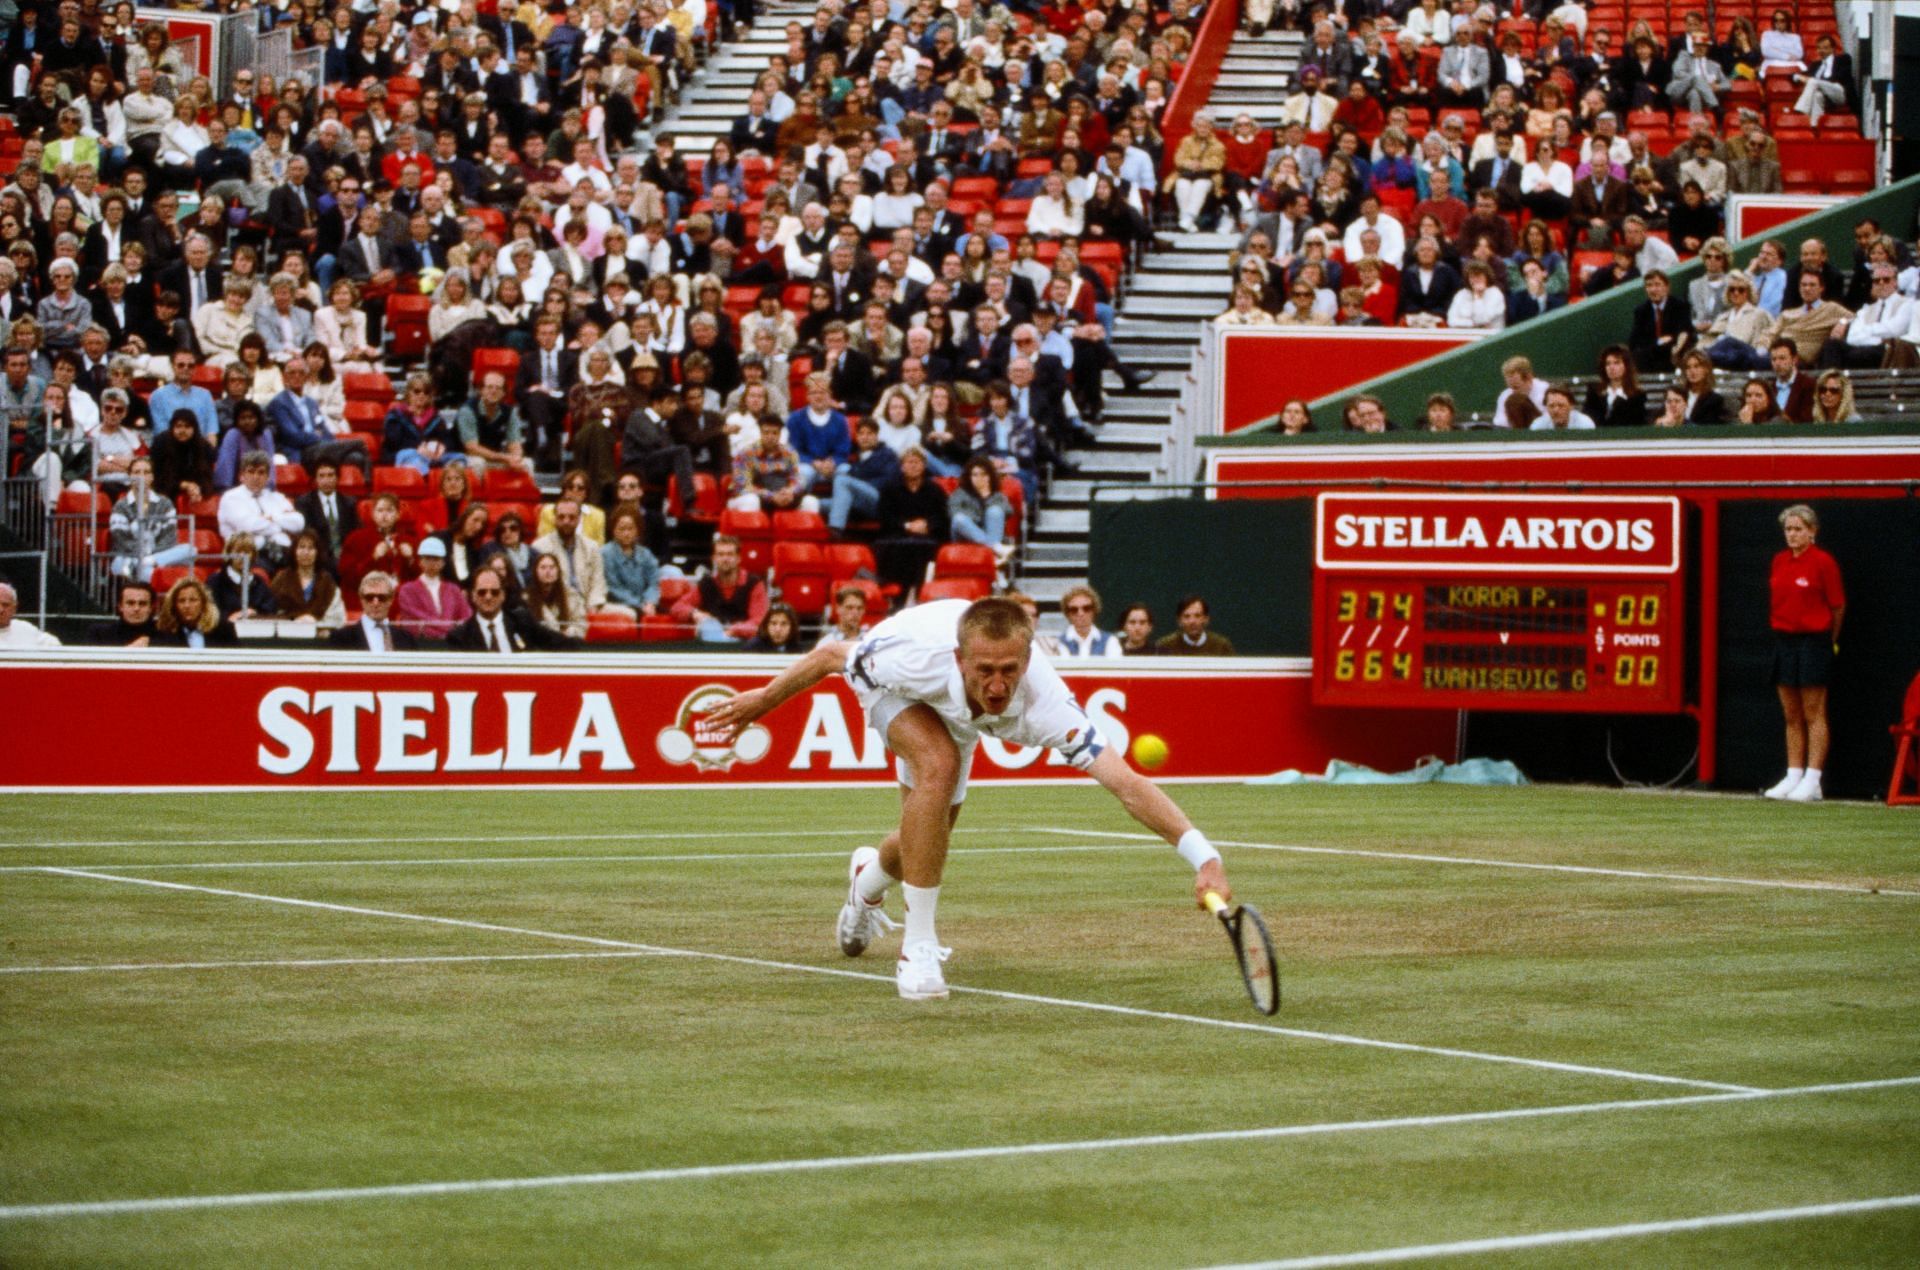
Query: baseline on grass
point(933, 680)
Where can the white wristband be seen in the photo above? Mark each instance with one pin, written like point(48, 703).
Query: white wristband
point(1195, 849)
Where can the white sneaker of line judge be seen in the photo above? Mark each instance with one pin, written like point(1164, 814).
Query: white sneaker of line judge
point(919, 977)
point(1786, 784)
point(1808, 790)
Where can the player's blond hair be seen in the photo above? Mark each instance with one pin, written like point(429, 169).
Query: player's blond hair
point(995, 617)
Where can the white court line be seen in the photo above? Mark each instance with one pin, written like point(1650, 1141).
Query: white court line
point(1508, 864)
point(390, 839)
point(411, 1190)
point(1592, 1234)
point(706, 856)
point(1001, 994)
point(305, 963)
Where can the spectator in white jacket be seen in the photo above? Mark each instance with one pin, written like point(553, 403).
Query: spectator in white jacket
point(251, 508)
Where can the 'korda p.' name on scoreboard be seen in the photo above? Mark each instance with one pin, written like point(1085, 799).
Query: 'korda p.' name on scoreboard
point(1510, 602)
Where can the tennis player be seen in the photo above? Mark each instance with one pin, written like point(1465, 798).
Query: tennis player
point(933, 680)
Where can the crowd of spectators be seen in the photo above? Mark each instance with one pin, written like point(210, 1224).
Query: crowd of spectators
point(195, 270)
point(1445, 163)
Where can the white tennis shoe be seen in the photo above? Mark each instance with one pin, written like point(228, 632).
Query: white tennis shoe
point(1785, 786)
point(919, 977)
point(1807, 791)
point(860, 922)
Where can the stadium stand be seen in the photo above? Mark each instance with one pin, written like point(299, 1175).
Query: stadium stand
point(455, 273)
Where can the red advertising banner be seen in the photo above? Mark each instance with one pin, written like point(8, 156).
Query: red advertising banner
point(1498, 533)
point(289, 720)
point(1262, 368)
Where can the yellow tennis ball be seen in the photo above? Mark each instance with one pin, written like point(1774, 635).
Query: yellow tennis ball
point(1149, 751)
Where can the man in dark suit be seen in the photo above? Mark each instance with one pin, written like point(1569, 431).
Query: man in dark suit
point(755, 130)
point(546, 375)
point(494, 628)
point(133, 626)
point(374, 632)
point(292, 219)
point(1792, 387)
point(985, 349)
point(1501, 174)
point(532, 99)
point(990, 150)
point(329, 513)
point(849, 372)
point(850, 277)
point(1662, 326)
point(195, 278)
point(367, 257)
point(1601, 197)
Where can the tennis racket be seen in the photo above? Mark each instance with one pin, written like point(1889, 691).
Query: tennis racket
point(1253, 949)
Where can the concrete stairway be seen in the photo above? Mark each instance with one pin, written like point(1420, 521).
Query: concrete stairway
point(1157, 328)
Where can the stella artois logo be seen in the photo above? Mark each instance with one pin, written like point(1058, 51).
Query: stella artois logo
point(710, 747)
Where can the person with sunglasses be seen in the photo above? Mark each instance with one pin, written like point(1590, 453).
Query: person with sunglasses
point(375, 632)
point(1082, 639)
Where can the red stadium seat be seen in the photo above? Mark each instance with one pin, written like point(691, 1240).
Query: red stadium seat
point(800, 526)
point(360, 385)
point(352, 480)
point(366, 416)
point(800, 569)
point(167, 574)
point(955, 589)
point(965, 560)
point(504, 360)
point(755, 533)
point(401, 482)
point(708, 502)
point(664, 629)
point(290, 479)
point(612, 628)
point(207, 377)
point(844, 559)
point(407, 324)
point(506, 483)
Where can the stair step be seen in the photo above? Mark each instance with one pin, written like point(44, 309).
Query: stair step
point(1062, 520)
point(1175, 306)
point(1146, 284)
point(1055, 554)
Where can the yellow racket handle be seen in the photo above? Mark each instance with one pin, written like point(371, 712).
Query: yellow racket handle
point(1215, 904)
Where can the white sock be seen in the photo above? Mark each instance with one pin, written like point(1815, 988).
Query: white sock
point(1813, 774)
point(873, 881)
point(1795, 773)
point(921, 902)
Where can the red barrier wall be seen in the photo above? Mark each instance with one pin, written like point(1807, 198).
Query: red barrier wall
point(1657, 460)
point(1261, 369)
point(1217, 26)
point(1754, 215)
point(282, 720)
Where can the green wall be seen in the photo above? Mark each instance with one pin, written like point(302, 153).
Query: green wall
point(1251, 558)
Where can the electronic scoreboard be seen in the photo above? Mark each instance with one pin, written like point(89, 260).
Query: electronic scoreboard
point(1498, 602)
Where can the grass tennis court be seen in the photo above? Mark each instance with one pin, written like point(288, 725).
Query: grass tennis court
point(626, 1037)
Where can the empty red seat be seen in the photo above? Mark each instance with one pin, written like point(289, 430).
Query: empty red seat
point(612, 628)
point(661, 628)
point(360, 385)
point(366, 416)
point(965, 560)
point(844, 559)
point(800, 526)
point(402, 482)
point(755, 532)
point(407, 324)
point(290, 479)
point(506, 483)
point(800, 569)
point(956, 589)
point(504, 360)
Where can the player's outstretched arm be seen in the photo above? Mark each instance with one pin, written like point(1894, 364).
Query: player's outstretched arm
point(1147, 803)
point(743, 708)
